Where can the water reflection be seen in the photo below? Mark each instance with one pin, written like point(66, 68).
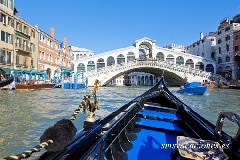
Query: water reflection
point(25, 115)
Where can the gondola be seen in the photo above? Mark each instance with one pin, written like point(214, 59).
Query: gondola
point(6, 82)
point(150, 127)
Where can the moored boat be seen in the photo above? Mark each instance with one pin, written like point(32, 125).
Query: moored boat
point(6, 82)
point(155, 125)
point(193, 88)
point(34, 85)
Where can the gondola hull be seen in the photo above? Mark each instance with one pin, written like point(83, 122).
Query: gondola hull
point(6, 82)
point(145, 128)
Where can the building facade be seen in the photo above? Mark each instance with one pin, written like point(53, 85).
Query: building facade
point(222, 47)
point(176, 47)
point(78, 53)
point(53, 55)
point(25, 45)
point(7, 26)
point(204, 47)
point(236, 45)
point(19, 40)
point(226, 63)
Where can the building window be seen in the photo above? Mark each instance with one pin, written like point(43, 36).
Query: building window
point(10, 22)
point(17, 59)
point(19, 26)
point(219, 32)
point(9, 57)
point(50, 43)
point(2, 56)
point(9, 38)
point(213, 55)
point(227, 47)
point(33, 33)
point(6, 37)
point(202, 54)
point(32, 47)
point(227, 28)
point(3, 36)
point(227, 59)
point(25, 61)
point(219, 60)
point(25, 29)
point(219, 41)
point(227, 38)
point(3, 18)
point(219, 50)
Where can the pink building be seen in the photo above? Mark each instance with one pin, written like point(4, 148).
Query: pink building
point(236, 48)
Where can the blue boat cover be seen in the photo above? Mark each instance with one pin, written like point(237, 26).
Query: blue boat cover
point(157, 124)
point(161, 115)
point(151, 145)
point(192, 84)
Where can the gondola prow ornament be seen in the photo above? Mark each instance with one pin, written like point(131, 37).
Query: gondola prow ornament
point(92, 107)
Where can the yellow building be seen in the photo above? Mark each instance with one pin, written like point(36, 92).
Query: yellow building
point(7, 34)
point(25, 44)
point(19, 40)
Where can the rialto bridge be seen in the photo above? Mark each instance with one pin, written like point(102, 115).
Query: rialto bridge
point(145, 56)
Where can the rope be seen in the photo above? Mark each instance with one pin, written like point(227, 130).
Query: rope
point(84, 104)
point(28, 153)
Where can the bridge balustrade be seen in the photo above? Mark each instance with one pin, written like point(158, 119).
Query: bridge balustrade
point(151, 63)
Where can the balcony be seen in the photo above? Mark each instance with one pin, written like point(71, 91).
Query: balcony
point(21, 65)
point(25, 66)
point(23, 47)
point(21, 34)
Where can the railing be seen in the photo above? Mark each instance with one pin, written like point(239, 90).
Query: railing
point(23, 47)
point(151, 63)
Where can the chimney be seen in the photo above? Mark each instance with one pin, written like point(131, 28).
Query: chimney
point(52, 31)
point(65, 41)
point(201, 35)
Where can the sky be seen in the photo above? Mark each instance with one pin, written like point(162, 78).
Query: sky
point(104, 25)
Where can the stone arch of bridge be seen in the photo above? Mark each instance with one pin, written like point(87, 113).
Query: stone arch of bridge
point(170, 77)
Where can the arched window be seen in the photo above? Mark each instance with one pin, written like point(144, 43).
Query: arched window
point(145, 50)
point(160, 56)
point(110, 61)
point(209, 68)
point(179, 60)
point(170, 58)
point(199, 66)
point(120, 59)
point(81, 68)
point(90, 66)
point(189, 63)
point(100, 63)
point(130, 56)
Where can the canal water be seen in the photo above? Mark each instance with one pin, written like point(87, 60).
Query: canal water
point(25, 115)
